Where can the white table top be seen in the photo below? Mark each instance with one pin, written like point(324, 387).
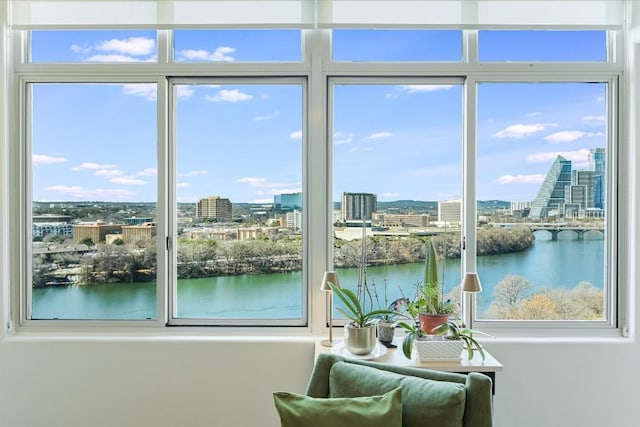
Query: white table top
point(396, 357)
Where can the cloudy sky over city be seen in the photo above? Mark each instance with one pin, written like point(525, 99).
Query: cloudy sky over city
point(244, 141)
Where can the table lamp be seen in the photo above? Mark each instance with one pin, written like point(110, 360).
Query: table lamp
point(329, 277)
point(471, 283)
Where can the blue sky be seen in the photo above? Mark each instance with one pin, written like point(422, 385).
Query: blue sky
point(244, 141)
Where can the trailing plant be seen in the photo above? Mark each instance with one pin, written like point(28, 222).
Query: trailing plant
point(453, 331)
point(353, 310)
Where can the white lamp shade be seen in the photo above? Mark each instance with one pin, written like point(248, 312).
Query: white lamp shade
point(329, 277)
point(471, 283)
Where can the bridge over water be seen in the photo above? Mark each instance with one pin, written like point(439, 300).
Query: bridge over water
point(557, 228)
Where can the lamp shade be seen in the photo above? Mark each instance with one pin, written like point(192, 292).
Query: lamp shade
point(329, 277)
point(471, 283)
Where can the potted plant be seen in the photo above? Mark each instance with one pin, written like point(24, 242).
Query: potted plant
point(360, 329)
point(449, 342)
point(433, 310)
point(386, 325)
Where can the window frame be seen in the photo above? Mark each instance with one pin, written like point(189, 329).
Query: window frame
point(316, 67)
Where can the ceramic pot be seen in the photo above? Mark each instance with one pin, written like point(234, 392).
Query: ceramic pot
point(430, 321)
point(437, 348)
point(386, 330)
point(359, 341)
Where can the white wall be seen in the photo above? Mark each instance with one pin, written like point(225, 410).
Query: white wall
point(191, 383)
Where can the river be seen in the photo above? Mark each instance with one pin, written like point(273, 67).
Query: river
point(561, 263)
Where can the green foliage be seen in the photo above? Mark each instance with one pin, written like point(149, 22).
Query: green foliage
point(453, 331)
point(353, 308)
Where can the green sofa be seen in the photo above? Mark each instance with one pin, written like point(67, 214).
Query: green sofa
point(429, 398)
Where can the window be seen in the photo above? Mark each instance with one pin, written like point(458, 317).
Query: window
point(396, 163)
point(532, 45)
point(542, 181)
point(397, 45)
point(93, 46)
point(215, 186)
point(94, 203)
point(240, 200)
point(237, 45)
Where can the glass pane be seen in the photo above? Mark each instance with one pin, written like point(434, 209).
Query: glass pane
point(93, 46)
point(239, 160)
point(397, 45)
point(539, 45)
point(397, 171)
point(541, 200)
point(94, 201)
point(237, 45)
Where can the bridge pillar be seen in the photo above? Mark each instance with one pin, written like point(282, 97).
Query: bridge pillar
point(554, 234)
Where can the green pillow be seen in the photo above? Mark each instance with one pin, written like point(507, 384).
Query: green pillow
point(297, 410)
point(424, 402)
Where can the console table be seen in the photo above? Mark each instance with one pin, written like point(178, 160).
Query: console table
point(394, 356)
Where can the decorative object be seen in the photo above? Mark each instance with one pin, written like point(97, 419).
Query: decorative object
point(386, 326)
point(360, 329)
point(329, 277)
point(379, 350)
point(429, 304)
point(436, 348)
point(470, 284)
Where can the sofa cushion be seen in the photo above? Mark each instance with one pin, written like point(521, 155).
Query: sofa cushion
point(424, 402)
point(297, 410)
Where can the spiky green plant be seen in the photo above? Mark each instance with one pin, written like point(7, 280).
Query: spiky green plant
point(353, 310)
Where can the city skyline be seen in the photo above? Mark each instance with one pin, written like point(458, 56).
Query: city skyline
point(105, 151)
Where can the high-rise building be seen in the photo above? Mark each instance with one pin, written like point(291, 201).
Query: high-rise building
point(357, 206)
point(551, 196)
point(450, 211)
point(288, 201)
point(214, 207)
point(597, 163)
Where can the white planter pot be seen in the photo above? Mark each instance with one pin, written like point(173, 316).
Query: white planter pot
point(438, 349)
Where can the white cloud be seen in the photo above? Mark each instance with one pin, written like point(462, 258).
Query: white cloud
point(128, 180)
point(390, 195)
point(296, 134)
point(194, 173)
point(220, 54)
point(43, 159)
point(569, 136)
point(379, 135)
point(424, 88)
point(227, 95)
point(114, 57)
point(579, 157)
point(185, 91)
point(521, 130)
point(145, 90)
point(520, 179)
point(267, 117)
point(183, 184)
point(360, 149)
point(341, 138)
point(109, 172)
point(148, 172)
point(599, 120)
point(93, 166)
point(261, 201)
point(263, 183)
point(254, 182)
point(88, 194)
point(137, 46)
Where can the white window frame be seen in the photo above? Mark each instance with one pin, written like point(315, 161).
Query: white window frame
point(317, 67)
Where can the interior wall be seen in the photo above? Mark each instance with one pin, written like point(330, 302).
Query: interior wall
point(193, 383)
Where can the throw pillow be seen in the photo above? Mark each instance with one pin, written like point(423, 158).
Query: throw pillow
point(424, 402)
point(297, 410)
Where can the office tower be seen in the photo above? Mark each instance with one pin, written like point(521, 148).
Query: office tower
point(214, 207)
point(356, 206)
point(550, 198)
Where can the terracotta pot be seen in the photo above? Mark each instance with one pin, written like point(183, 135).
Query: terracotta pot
point(360, 341)
point(430, 321)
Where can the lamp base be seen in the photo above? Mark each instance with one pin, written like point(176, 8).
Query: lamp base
point(327, 343)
